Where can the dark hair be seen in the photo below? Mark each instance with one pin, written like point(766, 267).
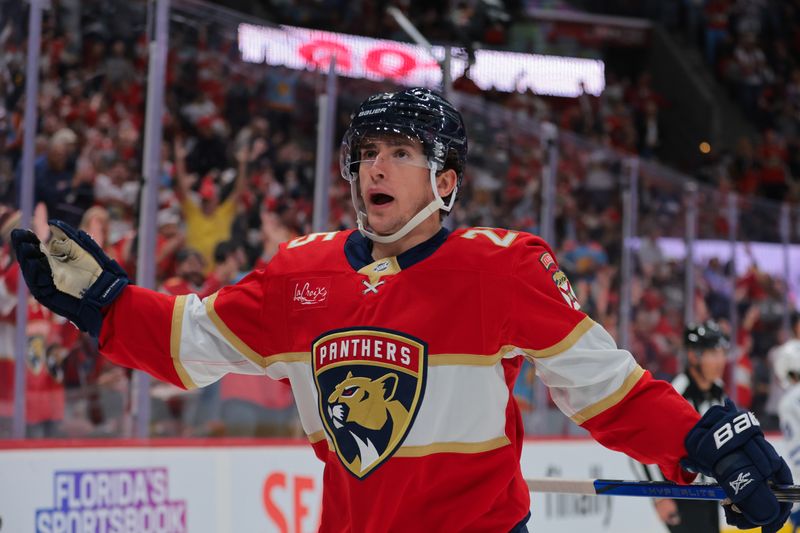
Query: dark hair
point(185, 253)
point(224, 250)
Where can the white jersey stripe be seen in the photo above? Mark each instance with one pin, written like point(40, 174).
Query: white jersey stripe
point(449, 413)
point(447, 404)
point(589, 376)
point(612, 399)
point(304, 391)
point(205, 352)
point(567, 342)
point(229, 335)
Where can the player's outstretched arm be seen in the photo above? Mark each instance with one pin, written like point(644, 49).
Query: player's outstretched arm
point(728, 445)
point(70, 275)
point(183, 340)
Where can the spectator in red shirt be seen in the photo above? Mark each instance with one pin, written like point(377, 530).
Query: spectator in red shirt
point(773, 155)
point(189, 278)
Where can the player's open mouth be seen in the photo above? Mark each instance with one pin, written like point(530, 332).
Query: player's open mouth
point(380, 198)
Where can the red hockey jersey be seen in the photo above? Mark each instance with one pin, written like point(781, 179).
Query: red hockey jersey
point(402, 369)
point(44, 387)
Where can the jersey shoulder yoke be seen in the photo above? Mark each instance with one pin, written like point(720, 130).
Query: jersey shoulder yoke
point(506, 247)
point(313, 251)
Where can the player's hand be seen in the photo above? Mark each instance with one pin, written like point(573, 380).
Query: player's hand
point(667, 512)
point(728, 445)
point(70, 275)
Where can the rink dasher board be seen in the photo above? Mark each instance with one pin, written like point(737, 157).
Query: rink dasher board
point(227, 486)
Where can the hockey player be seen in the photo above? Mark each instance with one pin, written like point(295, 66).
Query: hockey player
point(701, 384)
point(402, 341)
point(787, 368)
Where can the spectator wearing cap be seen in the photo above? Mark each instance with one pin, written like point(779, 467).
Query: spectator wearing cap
point(208, 218)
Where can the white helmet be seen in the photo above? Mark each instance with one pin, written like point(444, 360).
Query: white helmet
point(787, 361)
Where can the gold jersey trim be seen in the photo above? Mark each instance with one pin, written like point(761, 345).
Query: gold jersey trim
point(289, 357)
point(434, 359)
point(448, 447)
point(611, 400)
point(445, 359)
point(229, 335)
point(175, 342)
point(316, 437)
point(382, 267)
point(566, 343)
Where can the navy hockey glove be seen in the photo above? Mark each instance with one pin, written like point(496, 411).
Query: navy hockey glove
point(70, 275)
point(728, 445)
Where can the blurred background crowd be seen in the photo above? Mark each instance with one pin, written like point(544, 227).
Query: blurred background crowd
point(238, 163)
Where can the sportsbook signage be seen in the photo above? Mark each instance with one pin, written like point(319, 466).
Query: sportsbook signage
point(411, 65)
point(112, 500)
point(230, 488)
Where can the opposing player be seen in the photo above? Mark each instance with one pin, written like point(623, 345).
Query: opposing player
point(787, 368)
point(401, 342)
point(701, 384)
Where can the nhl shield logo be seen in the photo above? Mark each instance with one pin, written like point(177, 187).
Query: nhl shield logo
point(370, 383)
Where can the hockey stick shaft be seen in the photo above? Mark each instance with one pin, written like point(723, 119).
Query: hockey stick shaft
point(648, 489)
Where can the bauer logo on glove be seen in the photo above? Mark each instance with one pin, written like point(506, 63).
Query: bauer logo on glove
point(726, 432)
point(728, 445)
point(70, 275)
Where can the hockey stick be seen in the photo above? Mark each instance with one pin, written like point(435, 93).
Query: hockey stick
point(647, 489)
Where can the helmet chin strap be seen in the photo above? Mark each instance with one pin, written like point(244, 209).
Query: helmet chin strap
point(433, 207)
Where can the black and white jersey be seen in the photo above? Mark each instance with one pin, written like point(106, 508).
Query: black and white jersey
point(702, 401)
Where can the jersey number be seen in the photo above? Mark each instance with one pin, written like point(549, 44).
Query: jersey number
point(311, 237)
point(490, 234)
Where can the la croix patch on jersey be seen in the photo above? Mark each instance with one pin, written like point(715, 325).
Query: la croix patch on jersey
point(370, 383)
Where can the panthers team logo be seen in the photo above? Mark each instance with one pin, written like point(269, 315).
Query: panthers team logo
point(370, 383)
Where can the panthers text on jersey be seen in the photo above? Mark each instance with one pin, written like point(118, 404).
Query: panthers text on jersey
point(402, 369)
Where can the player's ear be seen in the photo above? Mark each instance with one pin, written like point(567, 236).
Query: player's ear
point(446, 181)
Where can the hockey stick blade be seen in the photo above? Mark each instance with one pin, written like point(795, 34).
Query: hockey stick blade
point(648, 489)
